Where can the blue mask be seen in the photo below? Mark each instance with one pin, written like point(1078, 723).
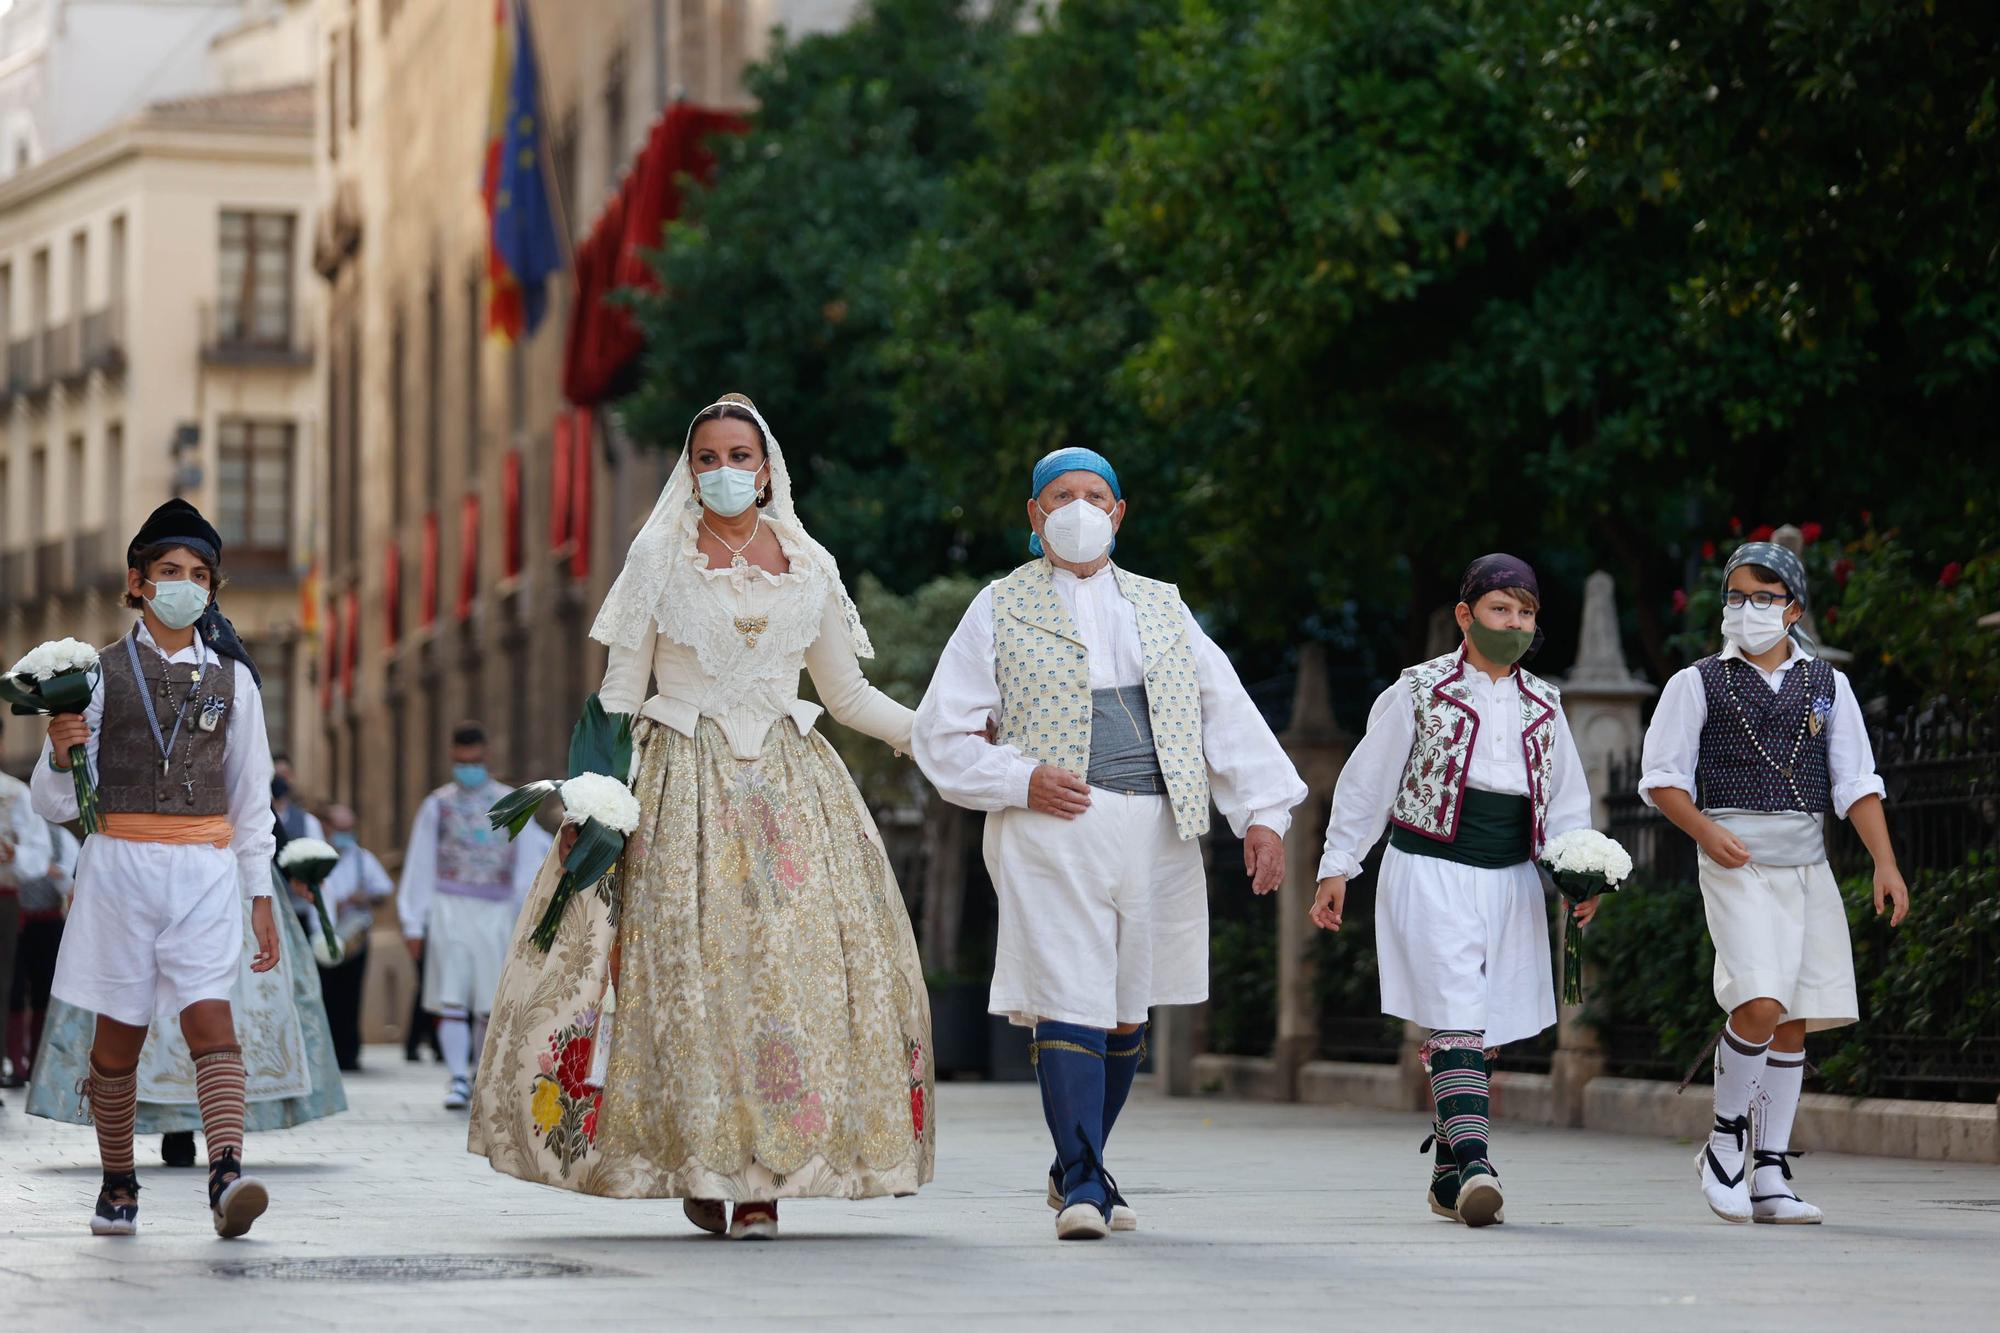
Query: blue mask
point(728, 490)
point(469, 776)
point(178, 602)
point(344, 842)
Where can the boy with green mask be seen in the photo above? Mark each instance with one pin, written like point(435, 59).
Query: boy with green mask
point(1469, 757)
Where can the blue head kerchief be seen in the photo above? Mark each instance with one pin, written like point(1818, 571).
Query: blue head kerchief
point(1791, 572)
point(1073, 459)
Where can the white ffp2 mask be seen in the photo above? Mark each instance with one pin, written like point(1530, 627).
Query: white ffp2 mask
point(1079, 532)
point(1753, 629)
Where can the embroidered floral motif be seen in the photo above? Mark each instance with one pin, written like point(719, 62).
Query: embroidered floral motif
point(1447, 729)
point(916, 1088)
point(562, 1104)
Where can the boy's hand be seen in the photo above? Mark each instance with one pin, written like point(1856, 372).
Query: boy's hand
point(1723, 847)
point(1332, 896)
point(1890, 889)
point(266, 930)
point(66, 732)
point(1586, 909)
point(1263, 858)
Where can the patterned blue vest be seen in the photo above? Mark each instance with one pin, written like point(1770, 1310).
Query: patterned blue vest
point(1764, 750)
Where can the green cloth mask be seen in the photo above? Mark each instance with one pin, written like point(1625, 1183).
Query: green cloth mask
point(1501, 646)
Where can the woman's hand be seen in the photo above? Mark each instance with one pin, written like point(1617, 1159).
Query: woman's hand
point(1263, 858)
point(566, 840)
point(1723, 847)
point(1327, 903)
point(1585, 910)
point(266, 930)
point(1059, 792)
point(66, 732)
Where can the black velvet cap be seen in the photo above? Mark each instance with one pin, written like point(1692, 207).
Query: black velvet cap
point(181, 524)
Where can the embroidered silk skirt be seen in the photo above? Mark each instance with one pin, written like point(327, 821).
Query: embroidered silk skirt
point(1462, 946)
point(772, 1030)
point(1780, 932)
point(291, 1075)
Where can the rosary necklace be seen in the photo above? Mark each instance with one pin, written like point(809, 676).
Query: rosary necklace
point(164, 742)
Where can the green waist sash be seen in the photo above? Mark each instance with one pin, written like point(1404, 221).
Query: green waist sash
point(1493, 833)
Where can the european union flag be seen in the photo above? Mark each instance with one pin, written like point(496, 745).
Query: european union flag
point(524, 228)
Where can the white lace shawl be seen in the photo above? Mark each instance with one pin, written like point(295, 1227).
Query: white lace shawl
point(663, 582)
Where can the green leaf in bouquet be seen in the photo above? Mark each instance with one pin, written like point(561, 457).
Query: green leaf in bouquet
point(601, 742)
point(597, 849)
point(513, 811)
point(69, 692)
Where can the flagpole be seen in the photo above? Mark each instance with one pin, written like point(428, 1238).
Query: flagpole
point(552, 186)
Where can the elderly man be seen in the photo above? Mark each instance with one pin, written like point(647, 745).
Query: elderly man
point(354, 889)
point(1114, 720)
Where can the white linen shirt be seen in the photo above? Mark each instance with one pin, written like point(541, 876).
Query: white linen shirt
point(246, 766)
point(1673, 739)
point(1372, 774)
point(1249, 775)
point(418, 886)
point(357, 881)
point(30, 853)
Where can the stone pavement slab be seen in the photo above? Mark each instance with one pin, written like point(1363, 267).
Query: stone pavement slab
point(1251, 1215)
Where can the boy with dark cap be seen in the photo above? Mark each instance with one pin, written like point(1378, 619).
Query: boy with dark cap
point(175, 737)
point(1469, 757)
point(1748, 751)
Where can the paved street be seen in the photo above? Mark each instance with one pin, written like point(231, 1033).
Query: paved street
point(1252, 1216)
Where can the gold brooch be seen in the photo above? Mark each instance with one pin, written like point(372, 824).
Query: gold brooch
point(751, 627)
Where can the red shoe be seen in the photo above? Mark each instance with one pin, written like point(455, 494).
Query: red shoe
point(754, 1221)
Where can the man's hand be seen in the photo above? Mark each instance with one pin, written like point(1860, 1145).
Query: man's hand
point(1059, 792)
point(66, 732)
point(1890, 890)
point(1263, 858)
point(1327, 903)
point(416, 949)
point(266, 930)
point(1723, 847)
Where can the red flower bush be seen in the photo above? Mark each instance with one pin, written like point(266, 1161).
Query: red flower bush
point(1680, 601)
point(1736, 525)
point(573, 1067)
point(1949, 575)
point(1842, 569)
point(1832, 615)
point(1762, 532)
point(1809, 532)
point(1708, 550)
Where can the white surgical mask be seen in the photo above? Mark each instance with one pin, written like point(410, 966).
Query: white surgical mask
point(178, 602)
point(1753, 629)
point(1079, 532)
point(728, 490)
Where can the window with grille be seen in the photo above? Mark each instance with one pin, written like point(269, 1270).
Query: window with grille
point(274, 662)
point(255, 302)
point(254, 488)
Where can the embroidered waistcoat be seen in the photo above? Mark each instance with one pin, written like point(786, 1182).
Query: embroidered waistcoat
point(1434, 776)
point(1764, 749)
point(473, 857)
point(129, 776)
point(1043, 671)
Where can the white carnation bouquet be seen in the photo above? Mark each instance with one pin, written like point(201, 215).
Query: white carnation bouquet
point(1584, 864)
point(310, 861)
point(58, 679)
point(595, 800)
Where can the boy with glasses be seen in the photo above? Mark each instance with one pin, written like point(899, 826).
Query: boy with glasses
point(1748, 751)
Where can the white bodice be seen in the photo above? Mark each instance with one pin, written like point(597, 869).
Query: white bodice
point(735, 656)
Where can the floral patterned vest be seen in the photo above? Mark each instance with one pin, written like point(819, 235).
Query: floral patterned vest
point(474, 859)
point(1043, 671)
point(1447, 724)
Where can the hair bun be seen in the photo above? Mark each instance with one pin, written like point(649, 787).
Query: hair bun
point(741, 399)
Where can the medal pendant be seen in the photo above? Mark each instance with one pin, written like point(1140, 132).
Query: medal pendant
point(738, 562)
point(1814, 724)
point(1787, 771)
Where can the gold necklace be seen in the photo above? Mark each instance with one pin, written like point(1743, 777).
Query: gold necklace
point(736, 558)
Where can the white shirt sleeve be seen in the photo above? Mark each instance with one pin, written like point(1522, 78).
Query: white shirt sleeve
point(1368, 781)
point(53, 790)
point(419, 882)
point(853, 702)
point(246, 770)
point(1249, 774)
point(1850, 759)
point(949, 736)
point(1673, 738)
point(1569, 792)
point(628, 676)
point(33, 849)
point(376, 886)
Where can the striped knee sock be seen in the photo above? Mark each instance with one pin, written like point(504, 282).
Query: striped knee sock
point(1459, 1087)
point(114, 1105)
point(218, 1088)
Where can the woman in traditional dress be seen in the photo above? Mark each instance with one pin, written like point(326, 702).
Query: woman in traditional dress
point(772, 1032)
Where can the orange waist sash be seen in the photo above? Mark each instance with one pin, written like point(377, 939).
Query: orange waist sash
point(174, 830)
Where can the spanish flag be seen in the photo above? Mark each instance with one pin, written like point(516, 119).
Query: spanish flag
point(522, 247)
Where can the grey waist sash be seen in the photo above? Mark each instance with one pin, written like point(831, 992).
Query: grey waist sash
point(1122, 757)
point(1777, 838)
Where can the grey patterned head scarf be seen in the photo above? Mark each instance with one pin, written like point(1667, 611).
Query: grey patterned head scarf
point(1791, 572)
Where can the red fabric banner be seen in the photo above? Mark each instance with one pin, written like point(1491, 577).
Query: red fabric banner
point(468, 554)
point(601, 359)
point(559, 469)
point(583, 457)
point(427, 586)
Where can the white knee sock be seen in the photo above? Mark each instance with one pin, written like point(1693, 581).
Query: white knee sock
point(1737, 1066)
point(478, 1040)
point(1777, 1105)
point(455, 1040)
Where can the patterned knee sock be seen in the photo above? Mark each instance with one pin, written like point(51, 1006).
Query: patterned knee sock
point(1444, 1167)
point(1462, 1093)
point(1776, 1105)
point(218, 1088)
point(114, 1105)
point(1738, 1065)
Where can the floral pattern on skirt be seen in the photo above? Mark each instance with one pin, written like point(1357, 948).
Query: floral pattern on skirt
point(771, 1031)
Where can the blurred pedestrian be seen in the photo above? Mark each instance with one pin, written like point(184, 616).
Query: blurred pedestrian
point(44, 900)
point(290, 819)
point(24, 853)
point(357, 886)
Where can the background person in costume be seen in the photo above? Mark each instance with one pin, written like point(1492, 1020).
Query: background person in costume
point(354, 889)
point(1748, 752)
point(462, 887)
point(175, 736)
point(1469, 758)
point(44, 900)
point(24, 854)
point(772, 1035)
point(1116, 721)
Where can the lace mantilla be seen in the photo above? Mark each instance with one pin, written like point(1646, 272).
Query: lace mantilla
point(663, 585)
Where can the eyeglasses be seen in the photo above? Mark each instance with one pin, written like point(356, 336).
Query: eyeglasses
point(1763, 601)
